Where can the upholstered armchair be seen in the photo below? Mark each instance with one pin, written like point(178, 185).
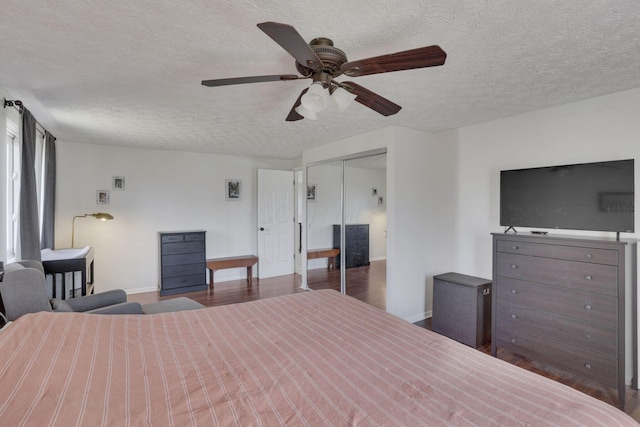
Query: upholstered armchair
point(23, 291)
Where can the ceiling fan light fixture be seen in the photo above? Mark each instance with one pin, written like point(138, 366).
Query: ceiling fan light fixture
point(315, 99)
point(342, 98)
point(307, 114)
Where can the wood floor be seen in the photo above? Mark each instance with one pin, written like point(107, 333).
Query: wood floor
point(368, 284)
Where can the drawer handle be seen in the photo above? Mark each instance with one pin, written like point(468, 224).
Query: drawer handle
point(588, 306)
point(515, 248)
point(514, 266)
point(589, 256)
point(588, 365)
point(588, 277)
point(513, 316)
point(513, 291)
point(513, 340)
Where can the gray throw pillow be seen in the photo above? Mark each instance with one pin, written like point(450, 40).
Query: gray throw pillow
point(60, 305)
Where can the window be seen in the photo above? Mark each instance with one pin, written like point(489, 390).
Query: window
point(13, 189)
point(40, 175)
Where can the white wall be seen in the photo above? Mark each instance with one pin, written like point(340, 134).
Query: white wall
point(598, 129)
point(164, 191)
point(421, 211)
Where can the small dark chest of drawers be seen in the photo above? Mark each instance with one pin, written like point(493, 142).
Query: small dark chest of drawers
point(356, 242)
point(568, 302)
point(182, 262)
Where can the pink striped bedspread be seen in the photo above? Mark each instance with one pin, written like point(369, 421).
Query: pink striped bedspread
point(310, 359)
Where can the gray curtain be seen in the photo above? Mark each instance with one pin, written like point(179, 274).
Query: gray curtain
point(48, 218)
point(29, 225)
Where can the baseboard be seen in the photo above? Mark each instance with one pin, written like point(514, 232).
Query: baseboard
point(382, 258)
point(142, 290)
point(418, 317)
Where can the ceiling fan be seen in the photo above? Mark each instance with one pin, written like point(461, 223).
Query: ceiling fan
point(322, 62)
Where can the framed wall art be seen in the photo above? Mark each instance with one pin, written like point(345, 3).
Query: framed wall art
point(311, 192)
point(102, 197)
point(118, 183)
point(233, 189)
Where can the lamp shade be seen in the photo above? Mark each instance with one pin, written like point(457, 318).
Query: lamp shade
point(102, 215)
point(315, 99)
point(307, 114)
point(342, 98)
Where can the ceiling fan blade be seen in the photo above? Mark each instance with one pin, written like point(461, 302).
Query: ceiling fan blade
point(371, 99)
point(291, 41)
point(242, 80)
point(429, 56)
point(293, 114)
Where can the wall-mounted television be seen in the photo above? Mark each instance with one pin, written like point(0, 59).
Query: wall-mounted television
point(587, 196)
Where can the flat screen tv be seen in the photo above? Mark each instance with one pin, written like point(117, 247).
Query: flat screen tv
point(588, 196)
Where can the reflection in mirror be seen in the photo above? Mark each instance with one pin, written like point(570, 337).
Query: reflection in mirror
point(365, 215)
point(323, 210)
point(366, 229)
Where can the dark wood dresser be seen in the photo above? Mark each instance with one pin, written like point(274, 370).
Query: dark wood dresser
point(182, 262)
point(356, 242)
point(567, 301)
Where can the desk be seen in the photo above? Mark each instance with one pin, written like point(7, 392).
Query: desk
point(69, 260)
point(214, 264)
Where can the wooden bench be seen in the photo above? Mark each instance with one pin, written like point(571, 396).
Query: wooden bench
point(330, 253)
point(214, 264)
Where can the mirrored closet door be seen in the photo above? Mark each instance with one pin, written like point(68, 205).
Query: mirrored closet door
point(346, 227)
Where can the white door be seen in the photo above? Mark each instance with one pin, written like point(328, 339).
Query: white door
point(275, 223)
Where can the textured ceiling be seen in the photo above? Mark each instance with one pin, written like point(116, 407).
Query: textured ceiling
point(128, 72)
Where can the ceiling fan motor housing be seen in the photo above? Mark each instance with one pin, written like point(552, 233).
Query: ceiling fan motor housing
point(332, 58)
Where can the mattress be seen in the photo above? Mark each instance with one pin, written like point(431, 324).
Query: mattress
point(317, 358)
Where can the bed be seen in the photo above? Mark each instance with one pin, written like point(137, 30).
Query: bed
point(312, 359)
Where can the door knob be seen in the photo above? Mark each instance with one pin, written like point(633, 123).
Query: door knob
point(261, 228)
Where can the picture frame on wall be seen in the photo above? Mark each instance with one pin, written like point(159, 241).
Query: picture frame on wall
point(118, 183)
point(102, 197)
point(233, 189)
point(311, 192)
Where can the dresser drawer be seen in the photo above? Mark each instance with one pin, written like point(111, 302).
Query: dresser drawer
point(571, 274)
point(570, 253)
point(194, 237)
point(172, 238)
point(593, 366)
point(182, 247)
point(591, 307)
point(182, 281)
point(588, 336)
point(360, 232)
point(353, 231)
point(193, 258)
point(181, 270)
point(357, 245)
